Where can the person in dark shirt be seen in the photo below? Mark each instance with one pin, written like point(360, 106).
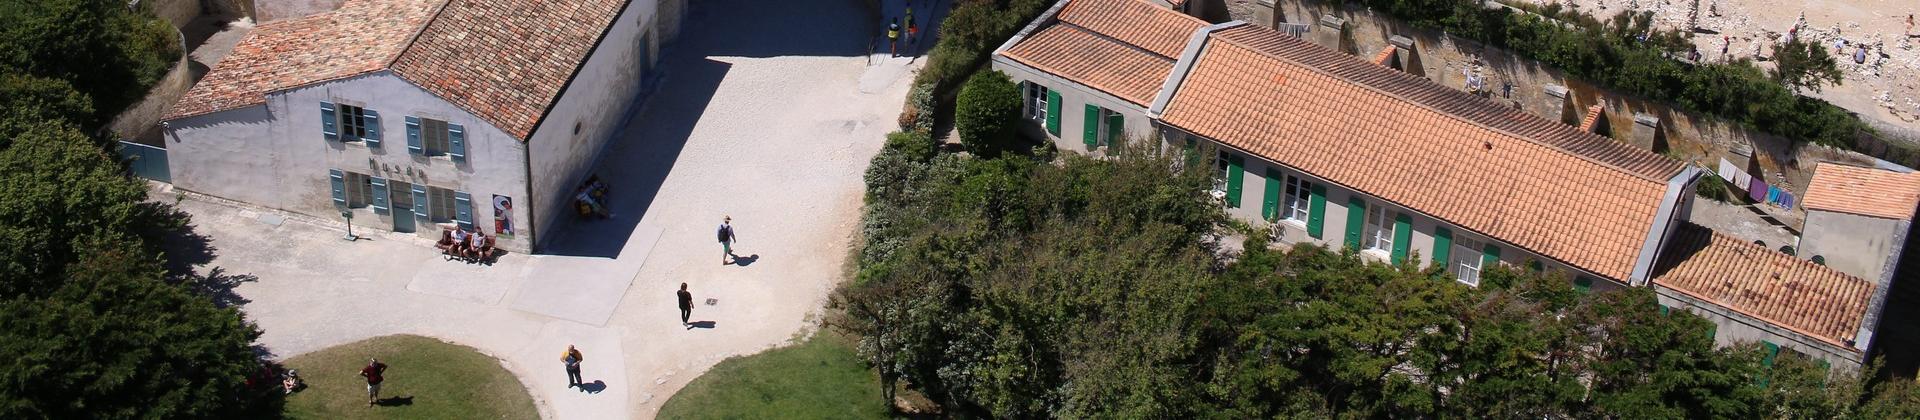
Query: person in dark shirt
point(374, 373)
point(572, 358)
point(686, 306)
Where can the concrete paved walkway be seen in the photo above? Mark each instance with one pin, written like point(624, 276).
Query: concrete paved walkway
point(770, 118)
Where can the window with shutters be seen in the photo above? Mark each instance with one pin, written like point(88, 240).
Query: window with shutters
point(1466, 260)
point(1298, 197)
point(433, 136)
point(359, 190)
point(353, 122)
point(1221, 164)
point(1036, 101)
point(439, 204)
point(1379, 233)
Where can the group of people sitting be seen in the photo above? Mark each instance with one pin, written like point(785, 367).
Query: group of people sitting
point(472, 247)
point(591, 198)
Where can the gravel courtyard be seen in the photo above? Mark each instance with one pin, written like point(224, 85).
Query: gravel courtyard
point(768, 112)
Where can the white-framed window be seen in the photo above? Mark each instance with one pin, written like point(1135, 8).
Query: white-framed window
point(1466, 260)
point(433, 137)
point(1036, 101)
point(1297, 198)
point(1379, 233)
point(353, 122)
point(439, 204)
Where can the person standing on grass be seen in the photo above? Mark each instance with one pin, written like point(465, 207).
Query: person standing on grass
point(686, 306)
point(726, 239)
point(572, 359)
point(375, 374)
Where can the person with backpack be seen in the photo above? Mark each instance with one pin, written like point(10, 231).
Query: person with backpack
point(726, 240)
point(572, 358)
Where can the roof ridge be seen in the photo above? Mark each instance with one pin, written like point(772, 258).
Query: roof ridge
point(415, 36)
point(1106, 37)
point(1507, 113)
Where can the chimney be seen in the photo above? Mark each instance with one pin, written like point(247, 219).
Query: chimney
point(1648, 133)
point(1330, 34)
point(1555, 105)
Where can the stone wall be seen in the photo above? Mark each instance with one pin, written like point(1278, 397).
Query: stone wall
point(176, 12)
point(1513, 80)
point(143, 117)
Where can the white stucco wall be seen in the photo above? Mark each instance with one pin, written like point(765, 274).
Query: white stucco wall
point(275, 155)
point(1074, 98)
point(1859, 245)
point(1732, 328)
point(599, 99)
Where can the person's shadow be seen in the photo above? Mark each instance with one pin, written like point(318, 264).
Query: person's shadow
point(747, 260)
point(700, 324)
point(394, 401)
point(595, 387)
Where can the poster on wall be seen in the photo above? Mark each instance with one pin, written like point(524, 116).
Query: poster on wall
point(502, 216)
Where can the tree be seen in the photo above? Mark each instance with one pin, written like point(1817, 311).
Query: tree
point(987, 112)
point(56, 188)
point(1803, 65)
point(116, 341)
point(110, 53)
point(27, 101)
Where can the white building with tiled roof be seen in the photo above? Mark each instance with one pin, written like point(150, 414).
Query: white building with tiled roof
point(418, 115)
point(1329, 149)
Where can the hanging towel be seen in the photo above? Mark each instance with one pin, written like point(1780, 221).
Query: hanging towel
point(1727, 171)
point(1757, 190)
point(1786, 200)
point(1773, 195)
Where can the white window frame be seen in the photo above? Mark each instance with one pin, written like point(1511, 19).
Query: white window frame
point(353, 122)
point(1036, 102)
point(1468, 257)
point(1379, 231)
point(1221, 164)
point(1297, 193)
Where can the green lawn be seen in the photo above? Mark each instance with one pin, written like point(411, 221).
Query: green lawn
point(821, 378)
point(426, 379)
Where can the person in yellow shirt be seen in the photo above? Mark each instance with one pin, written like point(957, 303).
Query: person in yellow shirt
point(572, 359)
point(893, 37)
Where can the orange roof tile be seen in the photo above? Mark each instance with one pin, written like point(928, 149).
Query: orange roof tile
point(1134, 22)
point(1076, 54)
point(1574, 197)
point(1776, 288)
point(506, 60)
point(362, 36)
point(1592, 119)
point(1387, 53)
point(1863, 191)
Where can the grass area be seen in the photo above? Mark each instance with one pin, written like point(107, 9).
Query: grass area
point(426, 379)
point(821, 378)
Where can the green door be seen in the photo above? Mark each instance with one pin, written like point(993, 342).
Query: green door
point(1270, 203)
point(402, 206)
point(1090, 123)
point(1236, 174)
point(1356, 220)
point(1116, 130)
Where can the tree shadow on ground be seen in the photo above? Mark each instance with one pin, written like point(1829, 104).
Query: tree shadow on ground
point(186, 251)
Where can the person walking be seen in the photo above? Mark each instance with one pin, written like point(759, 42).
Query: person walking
point(893, 37)
point(686, 306)
point(572, 358)
point(375, 372)
point(726, 240)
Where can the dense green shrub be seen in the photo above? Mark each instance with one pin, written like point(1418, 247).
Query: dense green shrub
point(107, 51)
point(912, 144)
point(1713, 188)
point(968, 35)
point(987, 113)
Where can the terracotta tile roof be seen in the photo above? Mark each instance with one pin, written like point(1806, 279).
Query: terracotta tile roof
point(506, 60)
point(1074, 53)
point(1776, 288)
point(1863, 191)
point(1592, 119)
point(1381, 58)
point(1583, 200)
point(1134, 22)
point(361, 36)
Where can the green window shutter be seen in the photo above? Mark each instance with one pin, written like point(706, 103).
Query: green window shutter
point(1236, 175)
point(463, 209)
point(329, 122)
point(1053, 112)
point(413, 136)
point(1356, 219)
point(420, 208)
point(379, 195)
point(373, 129)
point(457, 142)
point(1116, 129)
point(1770, 352)
point(1090, 121)
point(1489, 257)
point(339, 181)
point(1402, 234)
point(1442, 246)
point(1270, 203)
point(1316, 210)
point(1664, 310)
point(1583, 284)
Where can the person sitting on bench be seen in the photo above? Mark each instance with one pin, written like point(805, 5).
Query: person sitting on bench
point(482, 246)
point(446, 242)
point(459, 248)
